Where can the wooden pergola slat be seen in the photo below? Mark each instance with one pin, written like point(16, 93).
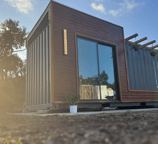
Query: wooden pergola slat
point(154, 47)
point(151, 42)
point(140, 40)
point(130, 37)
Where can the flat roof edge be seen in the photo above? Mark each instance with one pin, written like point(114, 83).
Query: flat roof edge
point(87, 14)
point(38, 22)
point(47, 9)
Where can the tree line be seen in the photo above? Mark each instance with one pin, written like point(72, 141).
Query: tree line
point(94, 80)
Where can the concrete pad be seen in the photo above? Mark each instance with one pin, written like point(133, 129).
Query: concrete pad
point(84, 113)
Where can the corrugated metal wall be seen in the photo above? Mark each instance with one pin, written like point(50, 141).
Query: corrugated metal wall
point(38, 88)
point(142, 69)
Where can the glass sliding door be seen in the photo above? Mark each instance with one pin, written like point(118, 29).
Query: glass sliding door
point(88, 69)
point(106, 67)
point(96, 70)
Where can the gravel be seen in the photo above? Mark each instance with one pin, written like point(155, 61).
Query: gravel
point(121, 128)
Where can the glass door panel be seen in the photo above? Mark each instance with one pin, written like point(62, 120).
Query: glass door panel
point(88, 69)
point(106, 67)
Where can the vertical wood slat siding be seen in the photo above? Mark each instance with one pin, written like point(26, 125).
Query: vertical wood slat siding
point(65, 66)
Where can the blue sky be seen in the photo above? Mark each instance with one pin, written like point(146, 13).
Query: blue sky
point(136, 16)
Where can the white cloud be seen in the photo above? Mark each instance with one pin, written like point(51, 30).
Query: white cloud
point(99, 7)
point(22, 6)
point(129, 5)
point(124, 7)
point(115, 12)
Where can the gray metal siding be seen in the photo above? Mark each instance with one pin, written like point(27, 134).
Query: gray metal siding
point(142, 69)
point(39, 71)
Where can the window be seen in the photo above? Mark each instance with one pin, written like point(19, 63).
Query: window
point(96, 69)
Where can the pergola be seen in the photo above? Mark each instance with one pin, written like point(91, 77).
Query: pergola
point(140, 40)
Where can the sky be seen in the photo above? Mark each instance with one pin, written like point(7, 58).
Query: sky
point(87, 57)
point(135, 16)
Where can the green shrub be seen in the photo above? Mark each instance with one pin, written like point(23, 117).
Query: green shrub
point(72, 99)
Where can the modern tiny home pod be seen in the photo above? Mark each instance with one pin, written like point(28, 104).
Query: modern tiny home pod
point(68, 50)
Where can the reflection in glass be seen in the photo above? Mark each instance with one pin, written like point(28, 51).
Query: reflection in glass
point(106, 66)
point(88, 69)
point(96, 70)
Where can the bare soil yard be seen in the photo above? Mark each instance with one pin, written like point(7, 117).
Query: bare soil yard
point(122, 128)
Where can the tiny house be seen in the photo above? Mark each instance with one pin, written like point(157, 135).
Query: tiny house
point(68, 50)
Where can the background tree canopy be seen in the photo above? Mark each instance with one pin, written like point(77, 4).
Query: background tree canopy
point(12, 68)
point(95, 80)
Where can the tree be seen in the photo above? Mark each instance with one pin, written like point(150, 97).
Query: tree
point(95, 80)
point(104, 78)
point(89, 80)
point(11, 37)
point(12, 68)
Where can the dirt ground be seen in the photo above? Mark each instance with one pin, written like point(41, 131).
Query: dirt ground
point(122, 128)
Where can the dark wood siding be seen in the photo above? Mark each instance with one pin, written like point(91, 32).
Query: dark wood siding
point(76, 22)
point(65, 66)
